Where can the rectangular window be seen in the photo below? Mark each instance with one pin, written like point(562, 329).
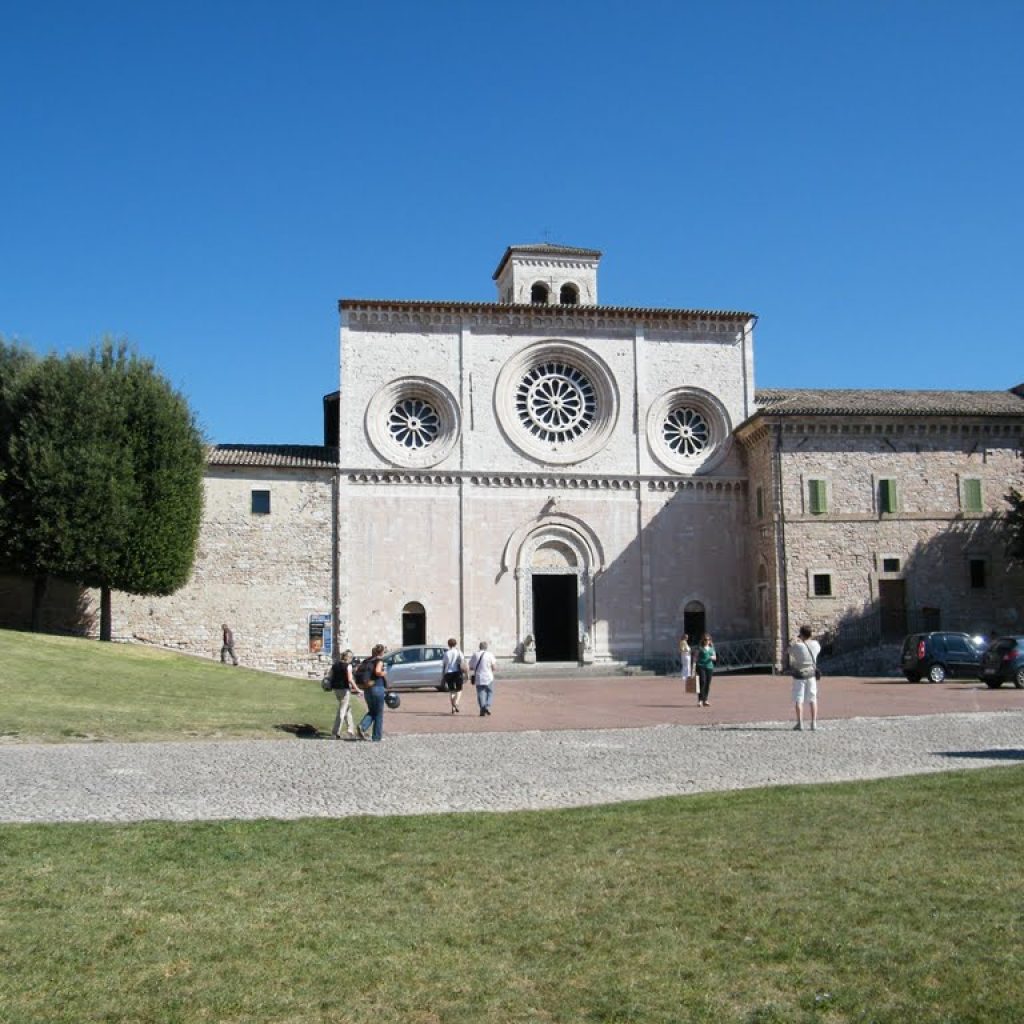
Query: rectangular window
point(890, 565)
point(821, 584)
point(759, 501)
point(261, 503)
point(977, 567)
point(972, 494)
point(886, 495)
point(817, 499)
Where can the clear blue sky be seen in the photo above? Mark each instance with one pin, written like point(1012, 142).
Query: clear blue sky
point(207, 179)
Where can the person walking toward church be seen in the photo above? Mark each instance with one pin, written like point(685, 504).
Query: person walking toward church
point(451, 673)
point(706, 658)
point(803, 665)
point(482, 666)
point(227, 644)
point(376, 690)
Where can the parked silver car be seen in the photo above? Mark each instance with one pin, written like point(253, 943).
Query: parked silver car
point(410, 668)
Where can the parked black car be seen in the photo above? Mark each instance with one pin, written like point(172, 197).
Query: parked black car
point(933, 656)
point(1003, 662)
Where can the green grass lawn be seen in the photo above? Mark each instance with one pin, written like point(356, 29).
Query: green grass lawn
point(62, 688)
point(891, 901)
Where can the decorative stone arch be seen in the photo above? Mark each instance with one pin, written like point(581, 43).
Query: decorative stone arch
point(556, 545)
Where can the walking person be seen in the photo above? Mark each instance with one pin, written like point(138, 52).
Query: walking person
point(803, 665)
point(227, 644)
point(374, 693)
point(451, 673)
point(706, 658)
point(344, 685)
point(482, 666)
point(685, 659)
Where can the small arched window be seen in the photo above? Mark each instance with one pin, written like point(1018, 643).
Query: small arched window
point(414, 624)
point(539, 294)
point(569, 295)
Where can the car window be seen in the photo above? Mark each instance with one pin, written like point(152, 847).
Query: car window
point(435, 653)
point(412, 654)
point(938, 644)
point(958, 645)
point(1002, 646)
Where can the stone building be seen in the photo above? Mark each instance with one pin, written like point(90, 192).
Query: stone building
point(578, 482)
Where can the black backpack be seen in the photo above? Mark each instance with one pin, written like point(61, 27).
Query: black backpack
point(364, 673)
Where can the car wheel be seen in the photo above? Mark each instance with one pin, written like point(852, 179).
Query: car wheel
point(936, 674)
point(912, 677)
point(993, 684)
point(1018, 679)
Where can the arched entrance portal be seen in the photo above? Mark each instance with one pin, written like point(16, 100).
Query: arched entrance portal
point(554, 567)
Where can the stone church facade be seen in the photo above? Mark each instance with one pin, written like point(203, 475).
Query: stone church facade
point(575, 482)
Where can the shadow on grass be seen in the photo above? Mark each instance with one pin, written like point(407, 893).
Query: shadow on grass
point(987, 755)
point(303, 730)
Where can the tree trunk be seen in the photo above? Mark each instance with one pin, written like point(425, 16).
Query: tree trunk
point(38, 595)
point(104, 613)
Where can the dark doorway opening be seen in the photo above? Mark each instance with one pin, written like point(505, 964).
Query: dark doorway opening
point(414, 625)
point(694, 625)
point(892, 604)
point(555, 618)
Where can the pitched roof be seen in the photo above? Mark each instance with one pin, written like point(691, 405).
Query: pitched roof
point(888, 402)
point(293, 456)
point(549, 249)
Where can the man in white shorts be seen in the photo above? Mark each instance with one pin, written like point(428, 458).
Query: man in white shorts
point(803, 664)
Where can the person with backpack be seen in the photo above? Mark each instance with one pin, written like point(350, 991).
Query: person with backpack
point(372, 678)
point(451, 673)
point(343, 684)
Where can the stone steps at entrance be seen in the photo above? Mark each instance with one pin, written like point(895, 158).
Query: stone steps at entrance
point(569, 670)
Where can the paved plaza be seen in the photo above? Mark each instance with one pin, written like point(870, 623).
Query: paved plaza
point(551, 743)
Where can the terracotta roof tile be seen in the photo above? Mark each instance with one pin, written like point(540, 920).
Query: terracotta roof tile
point(888, 402)
point(294, 456)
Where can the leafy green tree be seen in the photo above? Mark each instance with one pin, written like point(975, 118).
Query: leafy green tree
point(105, 477)
point(1015, 525)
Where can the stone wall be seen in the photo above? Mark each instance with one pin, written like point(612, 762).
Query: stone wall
point(931, 536)
point(262, 574)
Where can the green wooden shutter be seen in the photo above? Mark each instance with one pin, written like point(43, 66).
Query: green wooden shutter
point(816, 498)
point(972, 495)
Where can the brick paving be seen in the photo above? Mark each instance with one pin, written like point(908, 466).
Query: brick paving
point(607, 702)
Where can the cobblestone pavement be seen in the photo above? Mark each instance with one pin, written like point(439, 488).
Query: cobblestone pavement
point(495, 771)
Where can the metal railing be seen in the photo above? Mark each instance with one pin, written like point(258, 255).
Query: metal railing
point(733, 656)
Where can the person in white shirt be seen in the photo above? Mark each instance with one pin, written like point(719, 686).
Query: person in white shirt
point(481, 666)
point(803, 665)
point(451, 673)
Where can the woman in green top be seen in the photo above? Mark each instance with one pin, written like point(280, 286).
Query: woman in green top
point(706, 658)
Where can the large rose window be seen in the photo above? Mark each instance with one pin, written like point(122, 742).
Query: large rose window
point(556, 402)
point(685, 432)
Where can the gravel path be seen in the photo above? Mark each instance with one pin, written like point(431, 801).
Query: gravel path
point(118, 782)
